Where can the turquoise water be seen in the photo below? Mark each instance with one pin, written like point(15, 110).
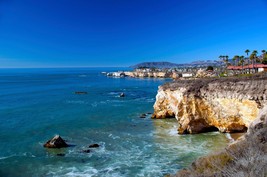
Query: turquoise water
point(36, 104)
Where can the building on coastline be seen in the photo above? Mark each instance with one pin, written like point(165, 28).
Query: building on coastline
point(252, 68)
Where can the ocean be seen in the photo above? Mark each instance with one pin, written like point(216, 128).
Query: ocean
point(37, 104)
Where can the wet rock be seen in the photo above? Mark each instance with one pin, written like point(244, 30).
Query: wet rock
point(80, 93)
point(142, 116)
point(61, 154)
point(122, 95)
point(94, 146)
point(86, 151)
point(56, 142)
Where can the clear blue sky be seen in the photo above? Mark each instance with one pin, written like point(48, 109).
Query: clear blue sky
point(59, 33)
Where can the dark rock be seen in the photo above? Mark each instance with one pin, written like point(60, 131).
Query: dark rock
point(94, 146)
point(122, 95)
point(56, 142)
point(142, 116)
point(153, 116)
point(80, 93)
point(86, 151)
point(61, 155)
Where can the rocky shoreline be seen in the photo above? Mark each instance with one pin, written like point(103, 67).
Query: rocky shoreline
point(244, 157)
point(225, 105)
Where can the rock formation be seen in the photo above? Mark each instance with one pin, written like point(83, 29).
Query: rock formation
point(226, 104)
point(245, 157)
point(56, 142)
point(94, 146)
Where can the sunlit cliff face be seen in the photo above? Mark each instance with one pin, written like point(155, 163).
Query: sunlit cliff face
point(207, 105)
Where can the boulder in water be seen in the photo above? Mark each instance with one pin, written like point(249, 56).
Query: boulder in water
point(94, 146)
point(56, 142)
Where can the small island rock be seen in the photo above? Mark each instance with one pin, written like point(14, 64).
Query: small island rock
point(56, 142)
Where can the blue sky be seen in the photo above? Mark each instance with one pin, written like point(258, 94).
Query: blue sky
point(125, 32)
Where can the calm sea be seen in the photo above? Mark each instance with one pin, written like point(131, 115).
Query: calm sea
point(36, 104)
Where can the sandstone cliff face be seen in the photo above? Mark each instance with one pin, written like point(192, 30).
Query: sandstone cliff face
point(227, 105)
point(244, 157)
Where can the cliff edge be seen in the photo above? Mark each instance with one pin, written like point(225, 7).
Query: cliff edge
point(226, 104)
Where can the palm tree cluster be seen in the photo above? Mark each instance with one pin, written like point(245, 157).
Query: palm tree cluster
point(225, 58)
point(250, 59)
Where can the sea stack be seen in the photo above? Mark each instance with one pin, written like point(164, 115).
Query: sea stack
point(56, 142)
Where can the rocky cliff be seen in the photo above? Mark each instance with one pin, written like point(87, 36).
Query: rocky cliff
point(226, 104)
point(245, 157)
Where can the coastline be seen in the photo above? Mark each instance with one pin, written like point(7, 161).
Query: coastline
point(42, 104)
point(249, 93)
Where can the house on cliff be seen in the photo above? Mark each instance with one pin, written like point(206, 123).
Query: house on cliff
point(248, 68)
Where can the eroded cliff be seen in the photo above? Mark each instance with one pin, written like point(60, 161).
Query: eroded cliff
point(244, 157)
point(226, 104)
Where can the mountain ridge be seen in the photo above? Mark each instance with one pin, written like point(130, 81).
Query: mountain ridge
point(164, 64)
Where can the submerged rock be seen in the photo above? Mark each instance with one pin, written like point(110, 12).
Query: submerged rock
point(61, 154)
point(142, 116)
point(94, 146)
point(86, 151)
point(56, 142)
point(80, 93)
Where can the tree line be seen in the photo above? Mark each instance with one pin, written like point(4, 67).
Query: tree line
point(251, 58)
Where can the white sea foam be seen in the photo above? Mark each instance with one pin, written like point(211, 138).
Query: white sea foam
point(228, 136)
point(94, 104)
point(173, 132)
point(113, 136)
point(6, 157)
point(75, 102)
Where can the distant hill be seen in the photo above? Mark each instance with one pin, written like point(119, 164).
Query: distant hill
point(203, 63)
point(155, 65)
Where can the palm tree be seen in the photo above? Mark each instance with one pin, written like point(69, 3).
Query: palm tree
point(226, 58)
point(247, 52)
point(221, 57)
point(253, 57)
point(235, 59)
point(242, 62)
point(255, 52)
point(263, 54)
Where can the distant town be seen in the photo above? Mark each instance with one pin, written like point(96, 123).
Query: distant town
point(224, 67)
